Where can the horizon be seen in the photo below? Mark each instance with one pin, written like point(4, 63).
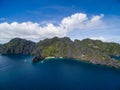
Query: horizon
point(76, 19)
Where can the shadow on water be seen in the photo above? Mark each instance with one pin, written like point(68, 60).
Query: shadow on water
point(16, 57)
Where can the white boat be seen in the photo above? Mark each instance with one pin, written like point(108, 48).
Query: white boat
point(41, 61)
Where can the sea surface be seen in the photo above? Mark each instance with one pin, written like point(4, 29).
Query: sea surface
point(18, 73)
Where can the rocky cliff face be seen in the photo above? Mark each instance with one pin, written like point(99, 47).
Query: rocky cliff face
point(55, 47)
point(94, 51)
point(0, 47)
point(17, 46)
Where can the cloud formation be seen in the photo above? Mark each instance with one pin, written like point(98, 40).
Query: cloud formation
point(35, 31)
point(81, 21)
point(99, 38)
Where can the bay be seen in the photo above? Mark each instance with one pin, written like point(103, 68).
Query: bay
point(18, 73)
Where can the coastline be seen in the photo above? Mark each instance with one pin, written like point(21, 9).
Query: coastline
point(52, 57)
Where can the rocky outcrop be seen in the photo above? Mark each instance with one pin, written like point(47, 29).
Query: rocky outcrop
point(17, 46)
point(0, 47)
point(37, 59)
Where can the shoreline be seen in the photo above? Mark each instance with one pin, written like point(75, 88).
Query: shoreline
point(52, 57)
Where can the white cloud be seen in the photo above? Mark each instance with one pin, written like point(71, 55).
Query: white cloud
point(75, 21)
point(80, 21)
point(99, 38)
point(29, 30)
point(35, 31)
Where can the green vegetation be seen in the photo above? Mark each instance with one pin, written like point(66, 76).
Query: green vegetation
point(55, 47)
point(17, 46)
point(94, 51)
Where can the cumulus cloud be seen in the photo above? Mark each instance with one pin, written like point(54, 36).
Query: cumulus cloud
point(35, 31)
point(81, 21)
point(29, 30)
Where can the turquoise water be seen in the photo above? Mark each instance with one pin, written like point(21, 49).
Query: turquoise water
point(18, 73)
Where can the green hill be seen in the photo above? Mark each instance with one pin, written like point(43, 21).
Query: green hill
point(17, 46)
point(93, 51)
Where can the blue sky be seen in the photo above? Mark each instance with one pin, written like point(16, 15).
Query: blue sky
point(49, 14)
point(37, 10)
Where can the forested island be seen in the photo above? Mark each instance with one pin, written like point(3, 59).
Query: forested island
point(93, 51)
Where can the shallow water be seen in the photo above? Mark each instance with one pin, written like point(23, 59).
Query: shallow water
point(18, 73)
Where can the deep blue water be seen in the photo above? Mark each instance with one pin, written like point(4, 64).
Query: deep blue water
point(18, 73)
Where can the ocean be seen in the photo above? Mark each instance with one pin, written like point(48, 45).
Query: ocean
point(18, 73)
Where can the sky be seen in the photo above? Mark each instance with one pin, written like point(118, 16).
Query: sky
point(78, 19)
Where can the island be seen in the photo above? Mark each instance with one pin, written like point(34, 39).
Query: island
point(92, 51)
